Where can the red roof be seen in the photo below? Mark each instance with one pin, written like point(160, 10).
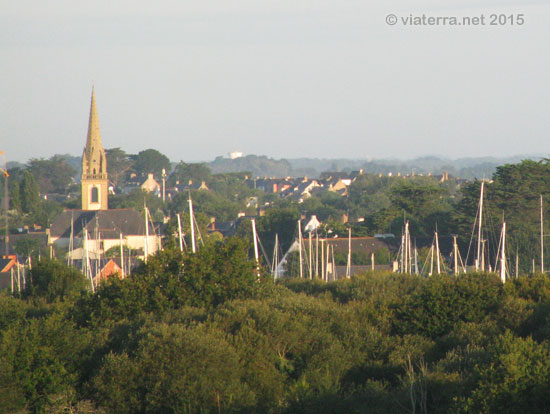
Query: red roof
point(7, 262)
point(110, 269)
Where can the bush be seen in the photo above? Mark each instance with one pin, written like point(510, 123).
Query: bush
point(53, 280)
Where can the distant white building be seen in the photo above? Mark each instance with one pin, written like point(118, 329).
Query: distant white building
point(312, 225)
point(235, 154)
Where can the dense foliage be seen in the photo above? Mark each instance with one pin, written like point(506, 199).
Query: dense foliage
point(204, 334)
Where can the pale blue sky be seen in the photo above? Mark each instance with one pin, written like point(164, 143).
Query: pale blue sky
point(322, 78)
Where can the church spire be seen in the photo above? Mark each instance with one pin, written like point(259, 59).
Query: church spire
point(94, 136)
point(95, 182)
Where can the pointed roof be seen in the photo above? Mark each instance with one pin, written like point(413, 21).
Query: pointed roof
point(94, 136)
point(110, 269)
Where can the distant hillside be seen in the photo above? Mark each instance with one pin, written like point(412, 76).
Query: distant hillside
point(469, 168)
point(263, 166)
point(257, 165)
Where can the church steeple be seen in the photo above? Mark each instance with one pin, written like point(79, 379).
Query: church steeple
point(94, 165)
point(94, 135)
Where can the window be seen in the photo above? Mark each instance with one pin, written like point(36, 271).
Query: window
point(95, 195)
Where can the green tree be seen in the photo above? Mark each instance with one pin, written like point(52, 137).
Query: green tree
point(369, 194)
point(15, 197)
point(27, 246)
point(54, 280)
point(183, 173)
point(118, 165)
point(282, 221)
point(49, 210)
point(41, 359)
point(53, 175)
point(514, 194)
point(174, 369)
point(151, 161)
point(443, 301)
point(208, 203)
point(515, 380)
point(232, 186)
point(218, 272)
point(424, 203)
point(30, 196)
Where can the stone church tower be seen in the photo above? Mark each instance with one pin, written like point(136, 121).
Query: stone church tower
point(95, 184)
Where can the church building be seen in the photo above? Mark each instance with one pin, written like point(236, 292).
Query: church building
point(94, 229)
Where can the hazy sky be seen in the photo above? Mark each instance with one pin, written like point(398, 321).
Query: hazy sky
point(285, 78)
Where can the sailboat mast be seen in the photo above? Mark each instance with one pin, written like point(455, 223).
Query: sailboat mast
point(159, 238)
point(479, 226)
point(275, 261)
point(328, 262)
point(71, 242)
point(517, 263)
point(438, 253)
point(334, 274)
point(98, 253)
point(146, 244)
point(87, 258)
point(409, 247)
point(348, 267)
point(323, 274)
point(192, 221)
point(541, 238)
point(503, 254)
point(256, 254)
point(310, 256)
point(121, 257)
point(316, 254)
point(455, 255)
point(180, 238)
point(431, 260)
point(405, 249)
point(483, 242)
point(300, 242)
point(402, 258)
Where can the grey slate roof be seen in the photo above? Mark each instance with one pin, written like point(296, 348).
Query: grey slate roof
point(110, 223)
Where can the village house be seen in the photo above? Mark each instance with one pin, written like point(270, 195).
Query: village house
point(151, 185)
